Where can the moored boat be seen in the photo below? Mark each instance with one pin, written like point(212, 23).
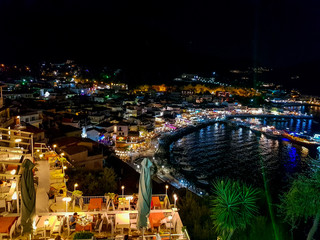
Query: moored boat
point(256, 130)
point(203, 182)
point(271, 132)
point(302, 140)
point(188, 168)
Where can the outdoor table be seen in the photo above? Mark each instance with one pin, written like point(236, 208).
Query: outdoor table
point(163, 237)
point(95, 203)
point(155, 219)
point(6, 223)
point(80, 227)
point(123, 204)
point(52, 221)
point(155, 202)
point(122, 221)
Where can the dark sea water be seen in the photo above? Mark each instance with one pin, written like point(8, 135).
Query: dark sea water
point(219, 151)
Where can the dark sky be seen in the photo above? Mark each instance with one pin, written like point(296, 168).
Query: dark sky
point(161, 34)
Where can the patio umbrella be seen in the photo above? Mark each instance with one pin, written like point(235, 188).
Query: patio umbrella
point(28, 196)
point(144, 197)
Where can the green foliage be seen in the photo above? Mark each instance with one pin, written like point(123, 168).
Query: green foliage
point(233, 207)
point(83, 235)
point(109, 179)
point(195, 214)
point(77, 193)
point(261, 228)
point(110, 195)
point(302, 201)
point(93, 183)
point(63, 160)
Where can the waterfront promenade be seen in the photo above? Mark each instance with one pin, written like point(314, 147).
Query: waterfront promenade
point(280, 116)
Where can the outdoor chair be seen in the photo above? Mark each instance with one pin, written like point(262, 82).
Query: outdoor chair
point(3, 204)
point(36, 219)
point(70, 229)
point(170, 224)
point(57, 227)
point(133, 226)
point(81, 203)
point(109, 202)
point(18, 224)
point(12, 229)
point(100, 226)
point(108, 222)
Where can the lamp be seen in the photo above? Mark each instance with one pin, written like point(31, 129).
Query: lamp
point(175, 200)
point(167, 186)
point(54, 147)
point(75, 186)
point(17, 141)
point(13, 172)
point(66, 199)
point(122, 187)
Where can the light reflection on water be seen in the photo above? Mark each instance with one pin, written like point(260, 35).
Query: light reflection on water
point(220, 151)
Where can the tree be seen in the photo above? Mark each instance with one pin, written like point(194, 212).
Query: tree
point(93, 182)
point(302, 201)
point(108, 180)
point(195, 214)
point(233, 206)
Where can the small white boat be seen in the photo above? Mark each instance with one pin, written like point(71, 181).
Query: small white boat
point(188, 168)
point(203, 182)
point(202, 176)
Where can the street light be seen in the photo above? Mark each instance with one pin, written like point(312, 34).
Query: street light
point(66, 199)
point(175, 200)
point(54, 147)
point(167, 186)
point(122, 187)
point(75, 186)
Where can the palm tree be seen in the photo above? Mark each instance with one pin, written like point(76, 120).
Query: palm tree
point(233, 206)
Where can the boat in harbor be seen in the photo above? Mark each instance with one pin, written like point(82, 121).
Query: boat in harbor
point(301, 139)
point(203, 182)
point(188, 168)
point(271, 132)
point(256, 129)
point(202, 176)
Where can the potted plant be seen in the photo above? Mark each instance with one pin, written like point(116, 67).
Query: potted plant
point(110, 195)
point(76, 195)
point(110, 199)
point(83, 235)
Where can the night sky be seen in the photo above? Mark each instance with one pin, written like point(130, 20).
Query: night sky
point(162, 35)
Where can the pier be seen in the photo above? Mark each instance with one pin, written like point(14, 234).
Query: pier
point(269, 116)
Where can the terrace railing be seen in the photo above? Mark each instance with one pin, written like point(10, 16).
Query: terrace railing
point(86, 199)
